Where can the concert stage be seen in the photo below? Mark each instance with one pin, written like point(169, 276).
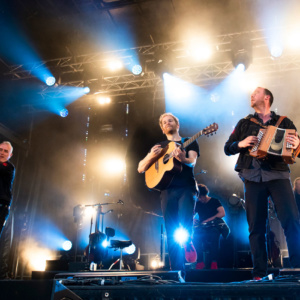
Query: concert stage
point(155, 285)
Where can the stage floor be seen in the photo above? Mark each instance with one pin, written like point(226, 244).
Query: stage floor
point(155, 285)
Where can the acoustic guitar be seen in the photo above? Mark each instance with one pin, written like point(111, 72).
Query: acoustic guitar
point(164, 167)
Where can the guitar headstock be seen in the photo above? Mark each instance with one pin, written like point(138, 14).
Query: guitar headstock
point(210, 129)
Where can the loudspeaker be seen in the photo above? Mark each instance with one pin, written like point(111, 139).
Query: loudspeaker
point(35, 290)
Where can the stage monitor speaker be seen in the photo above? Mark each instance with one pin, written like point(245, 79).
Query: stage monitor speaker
point(35, 290)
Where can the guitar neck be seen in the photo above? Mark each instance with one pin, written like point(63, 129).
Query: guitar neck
point(192, 139)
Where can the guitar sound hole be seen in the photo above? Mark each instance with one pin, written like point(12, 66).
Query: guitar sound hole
point(166, 158)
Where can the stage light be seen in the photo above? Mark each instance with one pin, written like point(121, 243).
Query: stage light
point(67, 245)
point(86, 90)
point(114, 166)
point(293, 39)
point(105, 244)
point(130, 250)
point(241, 53)
point(64, 112)
point(37, 257)
point(276, 51)
point(50, 80)
point(181, 235)
point(199, 50)
point(162, 63)
point(89, 211)
point(103, 100)
point(115, 65)
point(156, 263)
point(137, 69)
point(240, 67)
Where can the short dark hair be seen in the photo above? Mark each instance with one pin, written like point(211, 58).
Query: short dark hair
point(203, 189)
point(268, 93)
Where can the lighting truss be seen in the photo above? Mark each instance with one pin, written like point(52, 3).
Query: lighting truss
point(202, 74)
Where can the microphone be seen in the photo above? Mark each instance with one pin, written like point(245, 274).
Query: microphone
point(120, 202)
point(201, 172)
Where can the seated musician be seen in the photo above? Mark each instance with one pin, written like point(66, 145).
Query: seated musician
point(264, 178)
point(207, 228)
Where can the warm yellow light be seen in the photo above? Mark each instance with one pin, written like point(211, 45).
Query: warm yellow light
point(114, 166)
point(89, 211)
point(37, 256)
point(115, 65)
point(154, 264)
point(199, 50)
point(103, 100)
point(293, 39)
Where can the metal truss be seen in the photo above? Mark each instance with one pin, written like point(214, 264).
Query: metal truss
point(74, 70)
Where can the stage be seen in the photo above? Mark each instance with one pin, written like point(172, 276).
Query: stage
point(199, 284)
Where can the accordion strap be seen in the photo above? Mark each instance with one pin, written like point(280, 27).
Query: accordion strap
point(264, 126)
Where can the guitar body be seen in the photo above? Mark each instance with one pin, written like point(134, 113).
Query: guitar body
point(164, 166)
point(162, 171)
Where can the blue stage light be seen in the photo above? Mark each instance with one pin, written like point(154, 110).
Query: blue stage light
point(67, 245)
point(86, 90)
point(130, 250)
point(276, 51)
point(105, 244)
point(64, 112)
point(50, 80)
point(240, 67)
point(137, 69)
point(181, 235)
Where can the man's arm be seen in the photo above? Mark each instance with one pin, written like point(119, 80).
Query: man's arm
point(219, 214)
point(235, 143)
point(146, 162)
point(190, 161)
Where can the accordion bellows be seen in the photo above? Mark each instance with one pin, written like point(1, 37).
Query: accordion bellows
point(272, 141)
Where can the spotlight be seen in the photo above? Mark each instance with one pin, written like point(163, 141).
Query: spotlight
point(67, 245)
point(241, 53)
point(156, 263)
point(130, 250)
point(276, 51)
point(86, 90)
point(137, 69)
point(241, 67)
point(115, 65)
point(63, 113)
point(103, 100)
point(181, 235)
point(199, 50)
point(113, 166)
point(105, 244)
point(162, 63)
point(50, 80)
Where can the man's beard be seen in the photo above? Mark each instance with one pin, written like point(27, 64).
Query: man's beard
point(170, 131)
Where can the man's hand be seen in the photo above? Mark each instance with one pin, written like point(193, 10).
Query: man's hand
point(155, 150)
point(248, 141)
point(293, 140)
point(180, 155)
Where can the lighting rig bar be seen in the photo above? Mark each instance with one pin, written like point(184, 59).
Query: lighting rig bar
point(202, 74)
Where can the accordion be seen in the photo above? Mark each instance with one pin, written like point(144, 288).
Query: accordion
point(272, 140)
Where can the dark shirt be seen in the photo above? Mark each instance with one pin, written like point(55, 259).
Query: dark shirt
point(208, 209)
point(186, 177)
point(273, 167)
point(259, 169)
point(7, 174)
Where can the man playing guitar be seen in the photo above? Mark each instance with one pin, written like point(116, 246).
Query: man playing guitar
point(179, 197)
